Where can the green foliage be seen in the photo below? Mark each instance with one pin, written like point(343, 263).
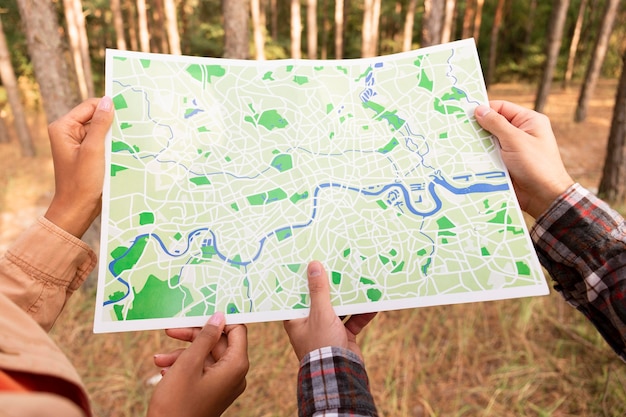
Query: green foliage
point(206, 39)
point(520, 53)
point(15, 38)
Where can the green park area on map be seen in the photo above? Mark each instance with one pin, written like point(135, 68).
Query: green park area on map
point(225, 178)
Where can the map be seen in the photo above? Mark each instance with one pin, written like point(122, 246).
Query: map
point(226, 177)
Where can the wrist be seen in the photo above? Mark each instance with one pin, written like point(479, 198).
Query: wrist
point(74, 219)
point(547, 195)
point(330, 351)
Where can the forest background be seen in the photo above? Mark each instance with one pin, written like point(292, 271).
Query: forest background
point(526, 357)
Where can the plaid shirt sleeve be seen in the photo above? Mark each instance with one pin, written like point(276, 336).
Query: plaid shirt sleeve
point(332, 382)
point(581, 241)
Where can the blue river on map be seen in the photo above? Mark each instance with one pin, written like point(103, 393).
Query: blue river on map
point(437, 180)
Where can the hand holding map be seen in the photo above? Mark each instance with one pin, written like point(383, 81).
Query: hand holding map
point(530, 151)
point(322, 327)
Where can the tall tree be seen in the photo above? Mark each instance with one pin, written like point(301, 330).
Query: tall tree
point(236, 35)
point(613, 183)
point(597, 58)
point(171, 23)
point(132, 24)
point(258, 29)
point(185, 13)
point(311, 29)
point(339, 29)
point(468, 19)
point(74, 43)
point(274, 19)
point(4, 131)
point(43, 36)
point(478, 18)
point(118, 24)
point(158, 28)
point(432, 22)
point(296, 29)
point(573, 46)
point(493, 43)
point(326, 28)
point(9, 81)
point(555, 35)
point(83, 70)
point(409, 21)
point(448, 21)
point(142, 21)
point(84, 46)
point(371, 22)
point(530, 24)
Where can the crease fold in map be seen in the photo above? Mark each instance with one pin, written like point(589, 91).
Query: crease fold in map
point(225, 178)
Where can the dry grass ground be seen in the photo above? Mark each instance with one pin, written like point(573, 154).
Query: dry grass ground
point(525, 357)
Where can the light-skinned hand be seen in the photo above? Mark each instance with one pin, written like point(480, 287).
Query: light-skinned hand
point(322, 327)
point(77, 143)
point(529, 151)
point(204, 379)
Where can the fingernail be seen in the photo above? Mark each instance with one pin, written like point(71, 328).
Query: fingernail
point(315, 269)
point(105, 104)
point(216, 319)
point(482, 110)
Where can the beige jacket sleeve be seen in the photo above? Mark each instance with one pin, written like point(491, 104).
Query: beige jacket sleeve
point(42, 269)
point(38, 273)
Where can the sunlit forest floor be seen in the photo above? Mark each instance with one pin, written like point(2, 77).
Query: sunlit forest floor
point(525, 357)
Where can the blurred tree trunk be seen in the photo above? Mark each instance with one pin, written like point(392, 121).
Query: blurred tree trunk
point(132, 24)
point(555, 35)
point(367, 23)
point(184, 11)
point(84, 47)
point(158, 25)
point(118, 24)
point(432, 22)
point(597, 58)
point(326, 28)
point(371, 22)
point(468, 19)
point(171, 21)
point(613, 182)
point(9, 81)
point(142, 20)
point(311, 29)
point(43, 36)
point(4, 131)
point(448, 21)
point(263, 19)
point(296, 29)
point(339, 17)
point(258, 29)
point(493, 43)
point(573, 47)
point(71, 21)
point(530, 24)
point(274, 19)
point(236, 35)
point(478, 18)
point(409, 22)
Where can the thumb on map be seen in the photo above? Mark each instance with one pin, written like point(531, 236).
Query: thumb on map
point(319, 288)
point(494, 122)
